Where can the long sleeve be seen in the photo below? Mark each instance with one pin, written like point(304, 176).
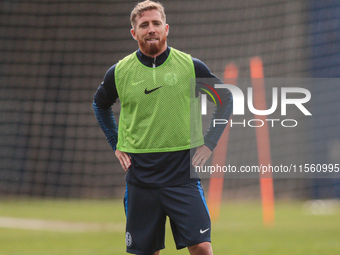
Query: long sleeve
point(221, 111)
point(107, 123)
point(104, 98)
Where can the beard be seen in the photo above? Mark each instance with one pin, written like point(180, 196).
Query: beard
point(152, 49)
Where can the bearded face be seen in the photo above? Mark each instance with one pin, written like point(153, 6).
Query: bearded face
point(151, 33)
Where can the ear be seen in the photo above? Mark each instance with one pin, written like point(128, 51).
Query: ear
point(133, 33)
point(167, 27)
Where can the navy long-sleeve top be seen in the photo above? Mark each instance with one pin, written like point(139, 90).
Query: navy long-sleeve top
point(162, 168)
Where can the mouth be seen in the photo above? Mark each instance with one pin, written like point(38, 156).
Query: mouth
point(152, 40)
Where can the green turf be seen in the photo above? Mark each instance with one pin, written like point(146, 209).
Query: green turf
point(238, 231)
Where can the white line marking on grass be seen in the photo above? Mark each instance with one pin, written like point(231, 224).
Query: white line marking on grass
point(61, 226)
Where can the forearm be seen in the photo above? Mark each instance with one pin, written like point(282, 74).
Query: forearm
point(221, 112)
point(107, 123)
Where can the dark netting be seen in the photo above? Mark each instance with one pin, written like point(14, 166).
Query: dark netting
point(54, 55)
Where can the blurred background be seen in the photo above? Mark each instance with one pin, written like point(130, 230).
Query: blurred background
point(54, 55)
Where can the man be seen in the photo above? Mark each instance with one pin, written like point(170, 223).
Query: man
point(154, 143)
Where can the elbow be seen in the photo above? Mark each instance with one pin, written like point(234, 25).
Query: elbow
point(95, 106)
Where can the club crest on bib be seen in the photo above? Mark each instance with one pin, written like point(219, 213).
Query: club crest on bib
point(170, 79)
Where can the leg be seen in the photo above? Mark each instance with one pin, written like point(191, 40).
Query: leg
point(189, 217)
point(201, 249)
point(145, 221)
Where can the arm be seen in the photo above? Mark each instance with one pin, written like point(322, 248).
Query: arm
point(221, 112)
point(107, 123)
point(104, 98)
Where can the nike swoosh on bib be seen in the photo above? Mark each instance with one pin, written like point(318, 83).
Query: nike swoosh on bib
point(150, 91)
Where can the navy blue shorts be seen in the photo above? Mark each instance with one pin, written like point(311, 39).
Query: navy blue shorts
point(146, 210)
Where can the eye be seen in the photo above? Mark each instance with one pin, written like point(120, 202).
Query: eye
point(143, 25)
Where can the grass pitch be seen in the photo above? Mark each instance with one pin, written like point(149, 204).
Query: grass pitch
point(239, 231)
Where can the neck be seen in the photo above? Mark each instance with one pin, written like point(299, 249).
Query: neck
point(150, 61)
point(155, 55)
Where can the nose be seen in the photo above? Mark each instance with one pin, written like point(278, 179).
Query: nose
point(151, 29)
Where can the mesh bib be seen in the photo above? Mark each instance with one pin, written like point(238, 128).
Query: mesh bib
point(155, 105)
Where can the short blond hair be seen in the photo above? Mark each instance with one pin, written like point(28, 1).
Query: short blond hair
point(146, 6)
